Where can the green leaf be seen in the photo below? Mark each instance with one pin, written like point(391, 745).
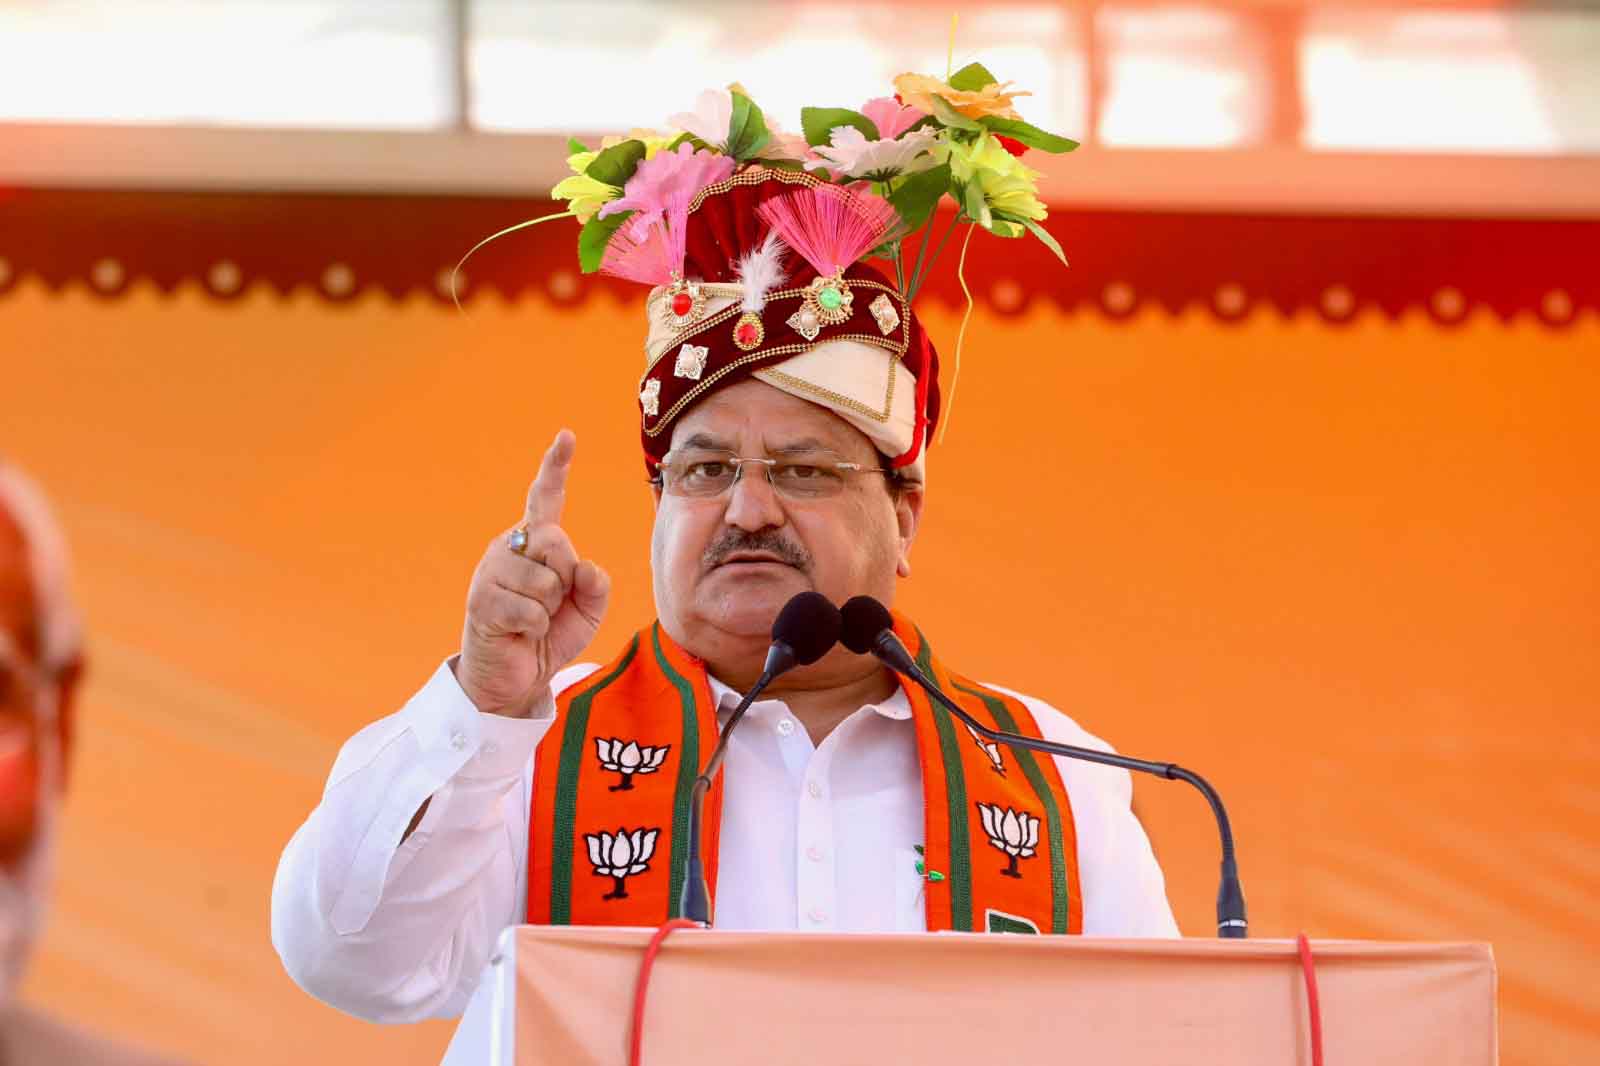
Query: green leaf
point(783, 164)
point(972, 78)
point(1006, 224)
point(1030, 135)
point(574, 146)
point(820, 122)
point(747, 129)
point(691, 140)
point(595, 236)
point(977, 208)
point(1046, 239)
point(950, 117)
point(616, 164)
point(919, 194)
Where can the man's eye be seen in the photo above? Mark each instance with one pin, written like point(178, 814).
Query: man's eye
point(708, 470)
point(802, 472)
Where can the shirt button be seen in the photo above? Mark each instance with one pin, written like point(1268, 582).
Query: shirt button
point(458, 740)
point(785, 727)
point(815, 789)
point(814, 853)
point(490, 747)
point(817, 915)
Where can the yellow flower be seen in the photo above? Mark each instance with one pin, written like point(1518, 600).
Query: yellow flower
point(917, 90)
point(586, 195)
point(1006, 183)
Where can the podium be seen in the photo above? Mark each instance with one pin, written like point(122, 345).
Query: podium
point(565, 995)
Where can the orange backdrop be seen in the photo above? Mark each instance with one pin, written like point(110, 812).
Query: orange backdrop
point(1348, 573)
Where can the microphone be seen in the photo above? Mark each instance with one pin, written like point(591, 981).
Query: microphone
point(868, 629)
point(805, 630)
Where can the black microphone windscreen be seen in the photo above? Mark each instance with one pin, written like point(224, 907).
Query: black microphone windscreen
point(863, 619)
point(809, 624)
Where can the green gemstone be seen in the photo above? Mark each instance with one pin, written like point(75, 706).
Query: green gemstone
point(830, 299)
point(935, 876)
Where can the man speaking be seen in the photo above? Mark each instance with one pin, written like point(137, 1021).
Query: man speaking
point(788, 397)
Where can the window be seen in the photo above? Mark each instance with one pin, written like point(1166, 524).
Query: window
point(1182, 77)
point(307, 63)
point(1412, 76)
point(1461, 81)
point(566, 66)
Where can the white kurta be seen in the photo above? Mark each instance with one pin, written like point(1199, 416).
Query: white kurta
point(814, 837)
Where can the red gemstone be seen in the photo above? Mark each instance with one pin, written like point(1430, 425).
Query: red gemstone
point(682, 304)
point(747, 334)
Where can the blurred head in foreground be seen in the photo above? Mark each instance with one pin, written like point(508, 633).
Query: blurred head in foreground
point(40, 662)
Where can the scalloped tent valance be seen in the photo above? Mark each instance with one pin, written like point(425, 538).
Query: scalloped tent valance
point(342, 246)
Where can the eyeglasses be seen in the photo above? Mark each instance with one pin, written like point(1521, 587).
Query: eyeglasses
point(701, 475)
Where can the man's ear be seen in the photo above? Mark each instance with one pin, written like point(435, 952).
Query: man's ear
point(67, 679)
point(908, 517)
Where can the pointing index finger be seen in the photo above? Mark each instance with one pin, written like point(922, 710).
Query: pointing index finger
point(548, 492)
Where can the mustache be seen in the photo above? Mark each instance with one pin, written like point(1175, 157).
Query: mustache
point(732, 541)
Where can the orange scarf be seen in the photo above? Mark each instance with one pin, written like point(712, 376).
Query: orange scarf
point(610, 815)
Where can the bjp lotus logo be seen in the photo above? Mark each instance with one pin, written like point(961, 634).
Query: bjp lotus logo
point(620, 855)
point(989, 748)
point(629, 759)
point(1014, 832)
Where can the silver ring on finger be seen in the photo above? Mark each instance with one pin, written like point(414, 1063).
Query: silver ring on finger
point(517, 541)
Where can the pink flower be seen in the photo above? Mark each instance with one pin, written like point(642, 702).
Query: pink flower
point(663, 175)
point(849, 154)
point(891, 116)
point(709, 121)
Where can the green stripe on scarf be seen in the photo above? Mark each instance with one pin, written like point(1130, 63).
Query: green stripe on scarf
point(1052, 811)
point(566, 805)
point(956, 792)
point(688, 770)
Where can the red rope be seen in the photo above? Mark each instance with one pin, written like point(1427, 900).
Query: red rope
point(1308, 966)
point(652, 949)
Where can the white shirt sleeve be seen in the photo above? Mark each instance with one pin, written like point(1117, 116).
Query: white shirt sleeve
point(1124, 892)
point(397, 932)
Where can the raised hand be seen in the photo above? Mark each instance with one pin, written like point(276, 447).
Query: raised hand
point(533, 607)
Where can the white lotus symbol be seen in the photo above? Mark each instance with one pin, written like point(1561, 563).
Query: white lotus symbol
point(629, 759)
point(989, 748)
point(1014, 832)
point(620, 855)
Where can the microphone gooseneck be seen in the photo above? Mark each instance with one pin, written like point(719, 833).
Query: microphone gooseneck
point(805, 630)
point(868, 629)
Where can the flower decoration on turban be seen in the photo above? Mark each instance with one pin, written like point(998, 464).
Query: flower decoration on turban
point(756, 243)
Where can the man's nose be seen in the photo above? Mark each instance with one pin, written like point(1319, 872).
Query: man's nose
point(752, 501)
